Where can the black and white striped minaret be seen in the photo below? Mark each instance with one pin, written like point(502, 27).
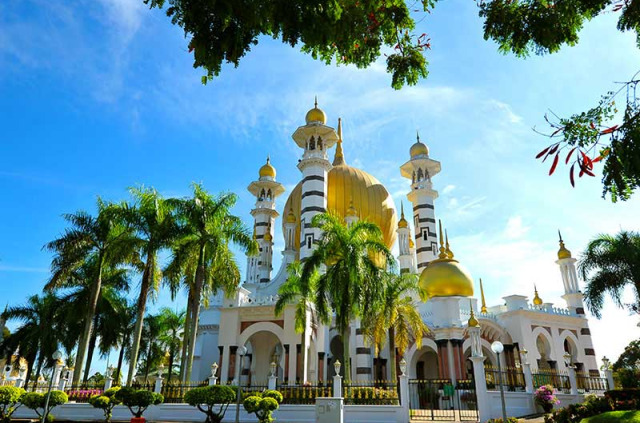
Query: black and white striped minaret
point(315, 138)
point(420, 169)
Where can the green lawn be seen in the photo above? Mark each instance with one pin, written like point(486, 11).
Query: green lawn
point(630, 416)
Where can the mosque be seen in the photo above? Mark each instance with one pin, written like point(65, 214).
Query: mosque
point(247, 320)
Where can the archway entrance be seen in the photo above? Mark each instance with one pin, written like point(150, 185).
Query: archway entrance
point(263, 348)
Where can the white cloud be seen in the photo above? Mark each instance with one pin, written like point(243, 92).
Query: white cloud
point(448, 189)
point(515, 228)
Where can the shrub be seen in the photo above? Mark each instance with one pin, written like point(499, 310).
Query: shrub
point(106, 402)
point(9, 402)
point(624, 399)
point(509, 420)
point(207, 397)
point(137, 401)
point(36, 401)
point(263, 404)
point(574, 413)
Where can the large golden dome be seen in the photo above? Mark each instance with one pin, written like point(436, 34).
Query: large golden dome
point(445, 277)
point(370, 199)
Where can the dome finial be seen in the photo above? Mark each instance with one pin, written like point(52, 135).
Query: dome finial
point(417, 136)
point(473, 322)
point(338, 159)
point(402, 223)
point(563, 253)
point(419, 148)
point(315, 102)
point(448, 250)
point(443, 253)
point(536, 298)
point(483, 310)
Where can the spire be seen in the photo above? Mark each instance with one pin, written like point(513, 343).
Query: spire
point(315, 101)
point(448, 250)
point(563, 253)
point(443, 253)
point(536, 298)
point(473, 322)
point(417, 136)
point(338, 159)
point(402, 223)
point(483, 310)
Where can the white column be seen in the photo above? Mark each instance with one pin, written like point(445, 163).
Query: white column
point(57, 370)
point(608, 373)
point(363, 356)
point(337, 386)
point(404, 397)
point(484, 406)
point(573, 380)
point(528, 377)
point(108, 382)
point(272, 382)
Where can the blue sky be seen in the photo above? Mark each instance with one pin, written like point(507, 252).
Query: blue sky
point(96, 96)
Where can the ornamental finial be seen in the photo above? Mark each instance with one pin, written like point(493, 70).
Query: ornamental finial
point(443, 253)
point(483, 309)
point(448, 250)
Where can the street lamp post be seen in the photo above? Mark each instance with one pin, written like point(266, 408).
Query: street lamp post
point(241, 352)
point(497, 348)
point(56, 356)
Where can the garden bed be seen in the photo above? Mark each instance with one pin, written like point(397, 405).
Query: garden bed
point(626, 416)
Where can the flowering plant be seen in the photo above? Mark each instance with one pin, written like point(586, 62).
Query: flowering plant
point(545, 397)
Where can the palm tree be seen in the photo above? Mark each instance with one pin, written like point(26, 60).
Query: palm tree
point(151, 351)
point(301, 293)
point(395, 317)
point(608, 265)
point(354, 257)
point(37, 336)
point(171, 338)
point(154, 227)
point(104, 238)
point(203, 251)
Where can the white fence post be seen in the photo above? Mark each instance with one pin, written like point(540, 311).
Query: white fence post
point(272, 383)
point(19, 382)
point(63, 384)
point(573, 380)
point(158, 387)
point(528, 377)
point(404, 397)
point(608, 373)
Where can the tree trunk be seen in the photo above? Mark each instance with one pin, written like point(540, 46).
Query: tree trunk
point(171, 355)
point(92, 347)
point(392, 352)
point(345, 354)
point(83, 345)
point(125, 341)
point(39, 369)
point(145, 286)
point(185, 340)
point(148, 363)
point(196, 312)
point(30, 360)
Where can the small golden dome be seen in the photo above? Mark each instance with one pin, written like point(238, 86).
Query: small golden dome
point(418, 148)
point(351, 211)
point(291, 217)
point(536, 298)
point(563, 253)
point(473, 322)
point(267, 170)
point(445, 277)
point(267, 235)
point(316, 114)
point(402, 223)
point(411, 243)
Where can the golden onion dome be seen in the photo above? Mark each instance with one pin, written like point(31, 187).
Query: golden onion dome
point(473, 322)
point(411, 243)
point(418, 148)
point(536, 298)
point(267, 170)
point(316, 114)
point(267, 235)
point(445, 277)
point(291, 218)
point(346, 184)
point(402, 223)
point(351, 211)
point(563, 253)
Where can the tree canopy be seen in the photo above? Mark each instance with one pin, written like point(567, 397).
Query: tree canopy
point(359, 32)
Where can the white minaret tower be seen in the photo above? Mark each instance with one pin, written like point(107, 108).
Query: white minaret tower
point(574, 299)
point(315, 138)
point(352, 215)
point(405, 258)
point(266, 190)
point(420, 169)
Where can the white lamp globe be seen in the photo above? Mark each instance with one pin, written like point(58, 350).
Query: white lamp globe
point(242, 350)
point(497, 347)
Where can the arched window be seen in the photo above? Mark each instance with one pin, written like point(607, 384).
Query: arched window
point(312, 144)
point(420, 175)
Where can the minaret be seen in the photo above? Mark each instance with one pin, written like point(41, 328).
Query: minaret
point(405, 257)
point(266, 190)
point(253, 276)
point(420, 169)
point(289, 252)
point(352, 215)
point(572, 294)
point(315, 138)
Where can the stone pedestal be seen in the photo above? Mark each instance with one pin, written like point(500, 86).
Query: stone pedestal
point(213, 380)
point(158, 387)
point(404, 397)
point(337, 386)
point(528, 377)
point(108, 382)
point(480, 380)
point(330, 410)
point(573, 380)
point(272, 382)
point(608, 373)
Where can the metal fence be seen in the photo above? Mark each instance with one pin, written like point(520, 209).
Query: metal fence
point(305, 394)
point(432, 399)
point(558, 379)
point(144, 386)
point(174, 392)
point(512, 378)
point(83, 391)
point(377, 392)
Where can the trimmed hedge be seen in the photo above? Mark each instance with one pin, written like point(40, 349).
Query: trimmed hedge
point(624, 399)
point(574, 413)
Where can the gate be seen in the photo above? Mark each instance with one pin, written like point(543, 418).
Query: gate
point(440, 400)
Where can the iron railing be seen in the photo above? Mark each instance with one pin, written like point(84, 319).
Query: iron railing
point(512, 378)
point(378, 392)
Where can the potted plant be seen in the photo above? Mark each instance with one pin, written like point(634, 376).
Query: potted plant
point(206, 398)
point(545, 397)
point(9, 402)
point(137, 401)
point(36, 401)
point(263, 404)
point(106, 402)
